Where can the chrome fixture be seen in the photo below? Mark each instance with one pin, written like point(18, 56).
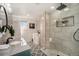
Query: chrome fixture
point(5, 14)
point(8, 40)
point(6, 27)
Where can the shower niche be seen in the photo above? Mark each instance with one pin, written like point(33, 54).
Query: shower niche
point(65, 22)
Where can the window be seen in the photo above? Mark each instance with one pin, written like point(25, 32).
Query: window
point(23, 26)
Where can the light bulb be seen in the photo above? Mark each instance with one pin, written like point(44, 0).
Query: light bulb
point(8, 4)
point(9, 9)
point(52, 7)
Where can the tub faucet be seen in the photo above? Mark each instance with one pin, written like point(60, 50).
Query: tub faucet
point(8, 40)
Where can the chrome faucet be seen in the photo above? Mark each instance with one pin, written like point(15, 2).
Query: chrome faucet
point(8, 40)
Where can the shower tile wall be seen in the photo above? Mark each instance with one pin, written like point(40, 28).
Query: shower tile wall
point(47, 28)
point(62, 37)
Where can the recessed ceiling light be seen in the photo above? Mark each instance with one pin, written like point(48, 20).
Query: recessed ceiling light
point(9, 9)
point(8, 4)
point(52, 7)
point(66, 9)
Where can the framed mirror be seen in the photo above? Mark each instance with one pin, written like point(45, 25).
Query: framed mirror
point(32, 25)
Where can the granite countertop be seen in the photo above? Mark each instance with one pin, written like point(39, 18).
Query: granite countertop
point(14, 50)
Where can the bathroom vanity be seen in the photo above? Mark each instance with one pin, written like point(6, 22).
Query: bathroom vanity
point(16, 50)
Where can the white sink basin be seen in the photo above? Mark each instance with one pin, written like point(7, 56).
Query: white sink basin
point(15, 42)
point(4, 46)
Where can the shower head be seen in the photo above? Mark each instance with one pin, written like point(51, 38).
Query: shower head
point(62, 6)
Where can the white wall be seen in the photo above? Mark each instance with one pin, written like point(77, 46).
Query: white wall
point(16, 26)
point(62, 37)
point(28, 33)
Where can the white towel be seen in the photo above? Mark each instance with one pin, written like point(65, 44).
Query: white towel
point(36, 38)
point(23, 42)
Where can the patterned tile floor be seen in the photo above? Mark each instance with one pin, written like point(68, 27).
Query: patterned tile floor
point(35, 50)
point(38, 53)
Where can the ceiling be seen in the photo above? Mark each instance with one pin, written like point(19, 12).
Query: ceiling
point(35, 9)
